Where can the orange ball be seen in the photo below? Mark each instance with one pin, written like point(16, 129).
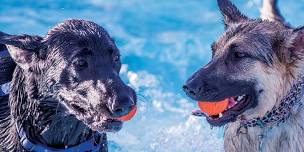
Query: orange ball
point(213, 108)
point(129, 116)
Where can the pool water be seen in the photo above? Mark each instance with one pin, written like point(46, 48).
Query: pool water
point(162, 42)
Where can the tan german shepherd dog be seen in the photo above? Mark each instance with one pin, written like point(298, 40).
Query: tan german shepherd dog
point(257, 64)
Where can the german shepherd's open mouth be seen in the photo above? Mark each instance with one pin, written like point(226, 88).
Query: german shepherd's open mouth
point(241, 96)
point(236, 106)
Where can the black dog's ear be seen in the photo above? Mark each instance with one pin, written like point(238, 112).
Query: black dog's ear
point(230, 12)
point(21, 48)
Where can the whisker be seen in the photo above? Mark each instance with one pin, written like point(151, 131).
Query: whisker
point(141, 97)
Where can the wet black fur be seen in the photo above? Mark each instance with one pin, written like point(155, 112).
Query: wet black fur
point(34, 101)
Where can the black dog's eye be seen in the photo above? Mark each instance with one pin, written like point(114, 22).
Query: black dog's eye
point(81, 63)
point(116, 58)
point(116, 62)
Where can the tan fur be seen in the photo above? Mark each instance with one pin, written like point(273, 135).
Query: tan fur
point(289, 137)
point(285, 138)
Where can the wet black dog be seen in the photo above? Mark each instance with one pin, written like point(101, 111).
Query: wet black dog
point(66, 91)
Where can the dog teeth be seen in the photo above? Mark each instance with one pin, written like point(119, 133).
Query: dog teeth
point(220, 115)
point(239, 98)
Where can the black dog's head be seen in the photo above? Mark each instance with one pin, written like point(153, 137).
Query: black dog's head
point(79, 64)
point(252, 65)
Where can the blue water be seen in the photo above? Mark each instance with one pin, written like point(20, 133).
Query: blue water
point(162, 42)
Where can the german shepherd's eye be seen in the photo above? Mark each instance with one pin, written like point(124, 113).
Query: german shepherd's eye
point(81, 63)
point(236, 54)
point(239, 55)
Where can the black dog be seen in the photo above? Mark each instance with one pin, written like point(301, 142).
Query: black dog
point(66, 91)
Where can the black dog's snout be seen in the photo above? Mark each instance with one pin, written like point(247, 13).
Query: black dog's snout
point(124, 98)
point(122, 105)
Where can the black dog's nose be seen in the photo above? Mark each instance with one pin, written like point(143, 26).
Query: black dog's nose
point(122, 106)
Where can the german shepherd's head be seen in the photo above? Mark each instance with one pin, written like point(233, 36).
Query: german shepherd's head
point(77, 64)
point(253, 65)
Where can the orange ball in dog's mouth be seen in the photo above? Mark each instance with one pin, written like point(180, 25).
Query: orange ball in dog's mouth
point(213, 108)
point(129, 116)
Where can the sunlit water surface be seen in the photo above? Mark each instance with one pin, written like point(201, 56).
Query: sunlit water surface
point(162, 42)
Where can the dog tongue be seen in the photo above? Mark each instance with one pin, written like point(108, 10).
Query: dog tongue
point(231, 103)
point(213, 108)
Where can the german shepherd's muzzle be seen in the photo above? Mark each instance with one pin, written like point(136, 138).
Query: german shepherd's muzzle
point(212, 83)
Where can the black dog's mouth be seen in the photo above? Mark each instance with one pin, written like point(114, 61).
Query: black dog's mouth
point(107, 125)
point(236, 106)
point(101, 124)
point(95, 122)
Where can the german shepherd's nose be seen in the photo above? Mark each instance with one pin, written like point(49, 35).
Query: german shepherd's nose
point(192, 87)
point(191, 90)
point(202, 85)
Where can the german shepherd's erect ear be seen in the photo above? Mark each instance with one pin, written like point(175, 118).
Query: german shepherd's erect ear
point(282, 38)
point(298, 40)
point(295, 46)
point(22, 48)
point(288, 45)
point(230, 12)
